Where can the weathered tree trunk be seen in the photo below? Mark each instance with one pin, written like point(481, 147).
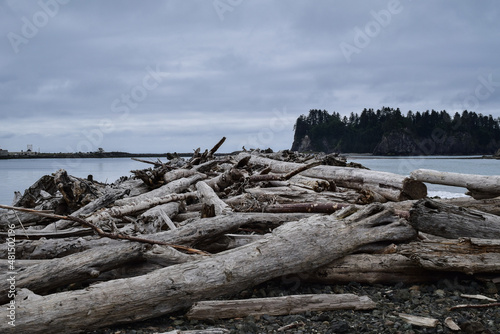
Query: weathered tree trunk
point(176, 186)
point(294, 247)
point(491, 205)
point(392, 186)
point(74, 268)
point(467, 255)
point(224, 180)
point(479, 186)
point(449, 221)
point(371, 268)
point(197, 230)
point(224, 309)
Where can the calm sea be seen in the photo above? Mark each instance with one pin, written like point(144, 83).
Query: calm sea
point(19, 174)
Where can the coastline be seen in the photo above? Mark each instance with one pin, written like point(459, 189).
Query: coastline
point(93, 155)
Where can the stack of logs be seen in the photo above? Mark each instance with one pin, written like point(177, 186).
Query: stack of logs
point(187, 231)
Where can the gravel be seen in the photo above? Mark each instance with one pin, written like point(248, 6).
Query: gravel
point(428, 300)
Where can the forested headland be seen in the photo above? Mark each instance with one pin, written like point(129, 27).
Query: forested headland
point(388, 131)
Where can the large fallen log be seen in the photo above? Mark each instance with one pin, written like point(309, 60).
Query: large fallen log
point(294, 247)
point(450, 221)
point(394, 187)
point(479, 186)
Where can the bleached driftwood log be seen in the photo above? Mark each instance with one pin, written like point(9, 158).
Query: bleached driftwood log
point(394, 187)
point(316, 184)
point(109, 196)
point(450, 221)
point(224, 180)
point(178, 174)
point(176, 186)
point(225, 309)
point(208, 196)
point(155, 218)
point(294, 247)
point(479, 186)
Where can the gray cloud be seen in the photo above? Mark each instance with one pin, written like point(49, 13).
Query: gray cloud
point(162, 76)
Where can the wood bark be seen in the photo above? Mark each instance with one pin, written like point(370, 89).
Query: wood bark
point(305, 207)
point(176, 186)
point(109, 196)
point(102, 218)
point(479, 186)
point(154, 219)
point(318, 185)
point(371, 269)
point(450, 221)
point(491, 205)
point(226, 179)
point(178, 174)
point(293, 194)
point(225, 309)
point(294, 247)
point(467, 255)
point(74, 268)
point(197, 230)
point(208, 196)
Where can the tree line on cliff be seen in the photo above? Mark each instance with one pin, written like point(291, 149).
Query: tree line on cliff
point(388, 131)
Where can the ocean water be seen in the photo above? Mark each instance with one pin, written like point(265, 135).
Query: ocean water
point(19, 174)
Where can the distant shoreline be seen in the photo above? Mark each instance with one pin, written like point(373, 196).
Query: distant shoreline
point(93, 155)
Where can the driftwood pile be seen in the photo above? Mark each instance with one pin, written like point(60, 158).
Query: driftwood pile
point(183, 233)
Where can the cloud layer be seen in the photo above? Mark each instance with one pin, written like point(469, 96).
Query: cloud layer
point(175, 75)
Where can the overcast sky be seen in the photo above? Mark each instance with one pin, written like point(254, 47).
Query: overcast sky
point(164, 76)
